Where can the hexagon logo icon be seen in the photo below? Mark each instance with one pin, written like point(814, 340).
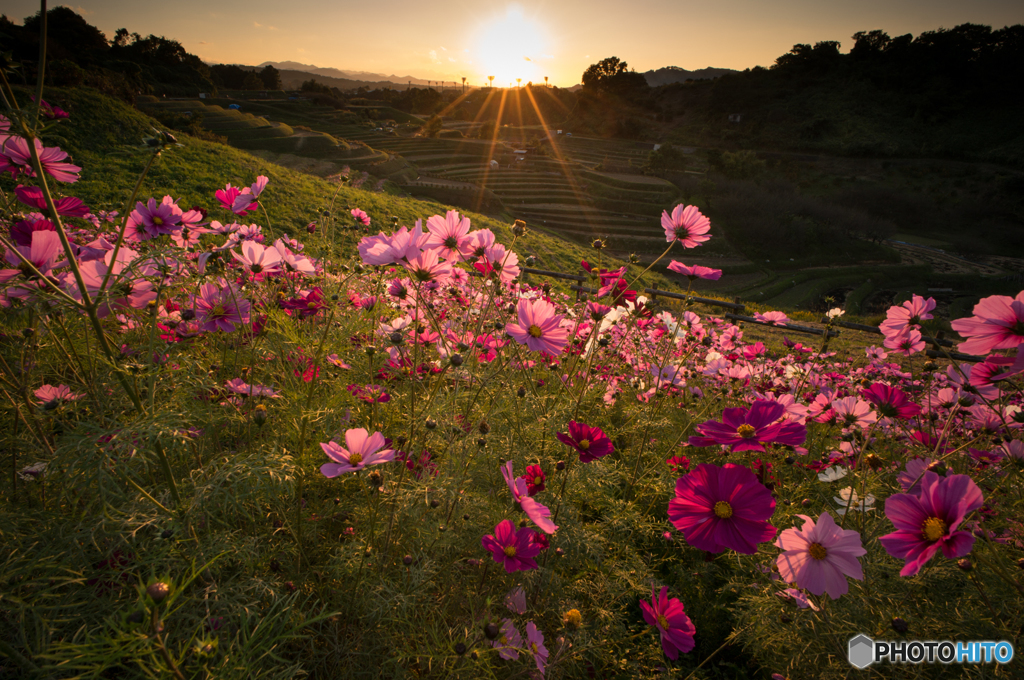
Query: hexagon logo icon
point(862, 651)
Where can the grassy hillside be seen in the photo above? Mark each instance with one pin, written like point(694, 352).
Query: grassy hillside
point(106, 137)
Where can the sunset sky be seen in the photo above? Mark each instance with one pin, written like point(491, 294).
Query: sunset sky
point(529, 39)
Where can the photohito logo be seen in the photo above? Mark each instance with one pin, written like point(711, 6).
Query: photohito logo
point(863, 651)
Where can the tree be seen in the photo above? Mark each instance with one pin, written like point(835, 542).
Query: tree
point(613, 76)
point(271, 78)
point(252, 82)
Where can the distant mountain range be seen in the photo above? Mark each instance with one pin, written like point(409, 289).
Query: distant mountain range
point(361, 76)
point(674, 74)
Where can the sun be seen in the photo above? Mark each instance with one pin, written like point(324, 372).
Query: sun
point(509, 47)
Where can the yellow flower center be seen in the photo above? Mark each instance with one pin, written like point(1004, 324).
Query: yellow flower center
point(535, 331)
point(219, 310)
point(584, 444)
point(933, 529)
point(723, 510)
point(157, 221)
point(746, 431)
point(355, 459)
point(662, 621)
point(538, 480)
point(533, 645)
point(504, 639)
point(510, 551)
point(817, 551)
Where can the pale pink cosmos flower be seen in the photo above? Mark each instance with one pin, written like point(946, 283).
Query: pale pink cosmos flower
point(362, 449)
point(539, 328)
point(449, 235)
point(854, 412)
point(906, 342)
point(294, 262)
point(799, 598)
point(772, 318)
point(427, 267)
point(43, 253)
point(125, 285)
point(687, 225)
point(258, 260)
point(479, 241)
point(361, 217)
point(998, 323)
point(499, 261)
point(819, 556)
point(516, 600)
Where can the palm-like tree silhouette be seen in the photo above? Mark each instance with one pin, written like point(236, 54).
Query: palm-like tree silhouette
point(518, 80)
point(545, 81)
point(463, 84)
point(491, 78)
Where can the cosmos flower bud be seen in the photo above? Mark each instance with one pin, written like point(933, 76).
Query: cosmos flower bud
point(158, 591)
point(519, 228)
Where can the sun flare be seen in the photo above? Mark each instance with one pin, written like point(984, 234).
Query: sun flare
point(509, 46)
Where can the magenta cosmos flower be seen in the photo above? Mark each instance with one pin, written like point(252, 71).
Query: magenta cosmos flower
point(749, 430)
point(539, 328)
point(819, 557)
point(998, 323)
point(509, 641)
point(361, 217)
point(69, 206)
point(514, 549)
point(722, 508)
point(363, 449)
point(687, 225)
point(539, 514)
point(891, 402)
point(927, 522)
point(695, 272)
point(534, 479)
point(668, 616)
point(16, 157)
point(590, 442)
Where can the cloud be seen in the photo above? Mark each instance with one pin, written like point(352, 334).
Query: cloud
point(433, 56)
point(202, 42)
point(259, 25)
point(81, 11)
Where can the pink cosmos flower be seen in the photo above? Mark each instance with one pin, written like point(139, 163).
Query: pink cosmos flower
point(906, 342)
point(696, 271)
point(590, 442)
point(449, 235)
point(499, 262)
point(773, 318)
point(509, 641)
point(749, 430)
point(68, 206)
point(819, 557)
point(891, 402)
point(246, 201)
point(219, 306)
point(998, 323)
point(910, 478)
point(227, 197)
point(539, 514)
point(125, 287)
point(16, 157)
point(535, 639)
point(47, 393)
point(687, 225)
point(908, 315)
point(239, 386)
point(669, 617)
point(479, 241)
point(799, 598)
point(361, 217)
point(363, 449)
point(515, 550)
point(538, 328)
point(927, 522)
point(152, 219)
point(427, 267)
point(44, 252)
point(722, 508)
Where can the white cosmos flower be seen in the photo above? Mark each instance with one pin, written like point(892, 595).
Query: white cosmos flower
point(832, 474)
point(848, 499)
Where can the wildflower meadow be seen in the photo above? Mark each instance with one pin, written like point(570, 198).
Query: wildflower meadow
point(374, 449)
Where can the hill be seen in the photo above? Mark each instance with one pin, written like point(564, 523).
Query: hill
point(673, 74)
point(364, 76)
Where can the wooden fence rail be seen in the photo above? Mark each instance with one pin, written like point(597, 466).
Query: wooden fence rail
point(786, 327)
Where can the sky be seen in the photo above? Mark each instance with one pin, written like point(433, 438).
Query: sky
point(526, 39)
